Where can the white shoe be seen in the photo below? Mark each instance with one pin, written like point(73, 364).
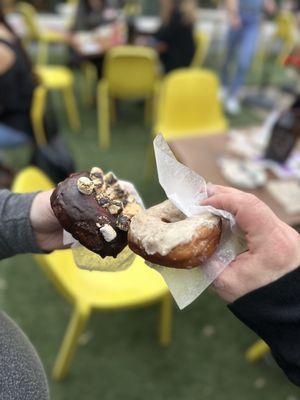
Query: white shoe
point(232, 106)
point(223, 93)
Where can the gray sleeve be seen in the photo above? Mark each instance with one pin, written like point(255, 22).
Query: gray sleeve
point(22, 376)
point(16, 235)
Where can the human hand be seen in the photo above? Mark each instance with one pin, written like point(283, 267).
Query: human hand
point(273, 246)
point(48, 232)
point(235, 20)
point(270, 6)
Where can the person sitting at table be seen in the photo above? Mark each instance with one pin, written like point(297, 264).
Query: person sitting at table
point(90, 15)
point(174, 40)
point(17, 83)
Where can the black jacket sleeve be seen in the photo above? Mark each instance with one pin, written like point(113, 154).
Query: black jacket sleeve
point(16, 235)
point(273, 312)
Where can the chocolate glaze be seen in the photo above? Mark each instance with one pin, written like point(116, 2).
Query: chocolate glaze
point(79, 214)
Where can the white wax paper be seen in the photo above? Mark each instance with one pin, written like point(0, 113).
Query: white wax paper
point(86, 259)
point(186, 189)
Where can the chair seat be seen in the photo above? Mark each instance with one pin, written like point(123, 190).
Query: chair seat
point(109, 290)
point(55, 77)
point(172, 133)
point(53, 37)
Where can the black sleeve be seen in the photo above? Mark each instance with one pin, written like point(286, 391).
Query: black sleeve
point(273, 312)
point(16, 234)
point(168, 32)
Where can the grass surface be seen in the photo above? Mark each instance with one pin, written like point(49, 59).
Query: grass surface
point(119, 357)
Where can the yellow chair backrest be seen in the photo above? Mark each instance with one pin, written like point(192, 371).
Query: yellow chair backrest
point(131, 71)
point(59, 265)
point(189, 105)
point(202, 46)
point(132, 8)
point(29, 15)
point(286, 27)
point(38, 107)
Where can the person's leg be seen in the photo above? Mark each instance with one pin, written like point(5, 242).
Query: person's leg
point(233, 40)
point(10, 137)
point(245, 55)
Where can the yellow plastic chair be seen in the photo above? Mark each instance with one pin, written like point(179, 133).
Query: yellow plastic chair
point(56, 77)
point(38, 107)
point(257, 351)
point(34, 33)
point(132, 8)
point(189, 105)
point(88, 291)
point(89, 81)
point(130, 72)
point(286, 33)
point(202, 41)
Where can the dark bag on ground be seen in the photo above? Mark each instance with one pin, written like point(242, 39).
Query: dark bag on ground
point(54, 159)
point(285, 134)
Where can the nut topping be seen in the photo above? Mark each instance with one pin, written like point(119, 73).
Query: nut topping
point(96, 173)
point(85, 185)
point(131, 210)
point(110, 178)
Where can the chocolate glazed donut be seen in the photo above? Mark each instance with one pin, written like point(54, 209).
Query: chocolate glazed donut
point(81, 215)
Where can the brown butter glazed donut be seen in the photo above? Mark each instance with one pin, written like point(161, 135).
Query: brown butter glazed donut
point(163, 235)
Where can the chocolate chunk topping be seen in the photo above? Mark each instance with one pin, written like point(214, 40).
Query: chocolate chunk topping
point(104, 201)
point(123, 223)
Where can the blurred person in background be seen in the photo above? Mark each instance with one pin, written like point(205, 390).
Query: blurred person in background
point(175, 39)
point(244, 19)
point(90, 15)
point(17, 83)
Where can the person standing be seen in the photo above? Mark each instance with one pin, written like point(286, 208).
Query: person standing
point(175, 39)
point(244, 20)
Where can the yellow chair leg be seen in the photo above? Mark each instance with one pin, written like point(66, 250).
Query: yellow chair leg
point(257, 351)
point(113, 111)
point(166, 320)
point(89, 81)
point(103, 115)
point(42, 53)
point(76, 325)
point(71, 107)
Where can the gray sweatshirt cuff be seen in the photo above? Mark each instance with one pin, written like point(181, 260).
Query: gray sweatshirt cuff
point(16, 234)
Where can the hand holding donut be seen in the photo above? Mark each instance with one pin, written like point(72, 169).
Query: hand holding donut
point(274, 247)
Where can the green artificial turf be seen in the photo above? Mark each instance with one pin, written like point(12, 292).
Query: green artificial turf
point(119, 356)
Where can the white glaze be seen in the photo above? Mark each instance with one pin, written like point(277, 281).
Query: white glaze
point(160, 237)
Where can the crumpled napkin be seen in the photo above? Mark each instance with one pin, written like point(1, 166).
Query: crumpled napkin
point(186, 189)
